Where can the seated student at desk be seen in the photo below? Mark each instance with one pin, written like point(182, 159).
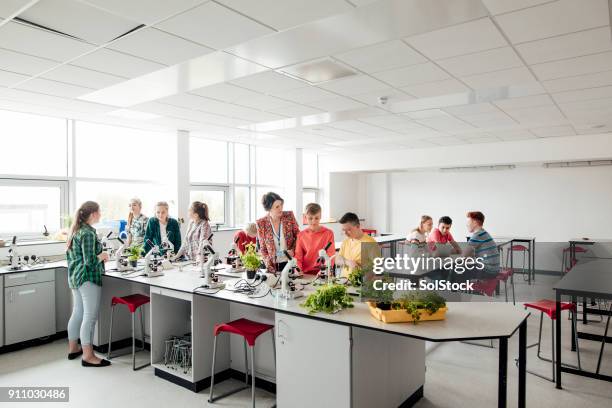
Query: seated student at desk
point(481, 245)
point(314, 238)
point(246, 236)
point(419, 234)
point(441, 235)
point(197, 231)
point(162, 228)
point(350, 255)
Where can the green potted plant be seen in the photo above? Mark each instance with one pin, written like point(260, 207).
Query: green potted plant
point(135, 253)
point(251, 260)
point(383, 298)
point(329, 298)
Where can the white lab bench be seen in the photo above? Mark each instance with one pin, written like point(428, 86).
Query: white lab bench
point(348, 359)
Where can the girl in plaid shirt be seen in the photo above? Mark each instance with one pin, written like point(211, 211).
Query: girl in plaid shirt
point(197, 231)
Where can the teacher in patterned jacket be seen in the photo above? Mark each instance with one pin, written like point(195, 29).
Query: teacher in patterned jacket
point(276, 232)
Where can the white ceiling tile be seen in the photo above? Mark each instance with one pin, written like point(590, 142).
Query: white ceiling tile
point(79, 20)
point(398, 123)
point(116, 63)
point(225, 92)
point(354, 85)
point(504, 6)
point(411, 75)
point(305, 94)
point(537, 115)
point(554, 18)
point(44, 44)
point(513, 76)
point(459, 39)
point(145, 11)
point(373, 98)
point(190, 101)
point(517, 134)
point(159, 46)
point(22, 63)
point(82, 77)
point(295, 110)
point(10, 7)
point(524, 102)
point(10, 78)
point(54, 88)
point(263, 102)
point(583, 94)
point(427, 113)
point(214, 26)
point(446, 124)
point(268, 82)
point(574, 66)
point(483, 139)
point(489, 120)
point(485, 61)
point(336, 104)
point(283, 14)
point(445, 141)
point(437, 88)
point(382, 57)
point(553, 131)
point(566, 46)
point(332, 132)
point(357, 127)
point(579, 82)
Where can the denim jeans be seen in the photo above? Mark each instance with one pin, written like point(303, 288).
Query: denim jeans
point(86, 301)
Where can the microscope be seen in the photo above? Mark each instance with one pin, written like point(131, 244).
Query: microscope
point(209, 258)
point(288, 288)
point(15, 261)
point(106, 245)
point(123, 253)
point(233, 258)
point(326, 269)
point(168, 247)
point(153, 262)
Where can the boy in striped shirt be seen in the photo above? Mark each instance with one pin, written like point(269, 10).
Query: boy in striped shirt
point(482, 244)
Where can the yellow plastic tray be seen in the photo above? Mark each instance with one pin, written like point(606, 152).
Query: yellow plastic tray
point(402, 316)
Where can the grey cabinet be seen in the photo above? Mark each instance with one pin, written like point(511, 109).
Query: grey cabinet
point(1, 310)
point(63, 299)
point(29, 310)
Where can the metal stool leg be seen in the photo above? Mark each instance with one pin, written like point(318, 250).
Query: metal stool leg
point(253, 375)
point(246, 364)
point(575, 323)
point(603, 340)
point(133, 341)
point(512, 284)
point(110, 333)
point(142, 327)
point(212, 375)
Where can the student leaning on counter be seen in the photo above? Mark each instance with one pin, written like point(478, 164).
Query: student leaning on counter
point(161, 228)
point(351, 255)
point(137, 223)
point(277, 232)
point(198, 231)
point(85, 268)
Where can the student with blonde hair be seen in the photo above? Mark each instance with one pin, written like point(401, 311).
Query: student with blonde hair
point(137, 223)
point(162, 228)
point(419, 234)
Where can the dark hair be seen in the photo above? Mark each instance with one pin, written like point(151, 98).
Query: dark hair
point(80, 217)
point(350, 218)
point(312, 209)
point(476, 216)
point(201, 209)
point(445, 220)
point(269, 199)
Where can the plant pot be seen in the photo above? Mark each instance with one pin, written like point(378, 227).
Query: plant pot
point(134, 263)
point(402, 316)
point(251, 274)
point(383, 305)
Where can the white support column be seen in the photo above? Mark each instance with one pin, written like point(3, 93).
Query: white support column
point(182, 173)
point(299, 184)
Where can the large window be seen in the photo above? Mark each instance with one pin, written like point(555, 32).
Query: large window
point(33, 145)
point(216, 200)
point(28, 207)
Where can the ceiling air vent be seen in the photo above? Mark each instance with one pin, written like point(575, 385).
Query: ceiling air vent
point(316, 72)
point(582, 163)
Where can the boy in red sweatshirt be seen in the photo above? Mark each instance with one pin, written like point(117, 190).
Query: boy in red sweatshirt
point(312, 239)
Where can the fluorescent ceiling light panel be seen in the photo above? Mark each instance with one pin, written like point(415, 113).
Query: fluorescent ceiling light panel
point(583, 163)
point(132, 114)
point(477, 168)
point(315, 72)
point(199, 72)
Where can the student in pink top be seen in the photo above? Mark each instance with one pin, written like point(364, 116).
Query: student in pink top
point(312, 239)
point(442, 235)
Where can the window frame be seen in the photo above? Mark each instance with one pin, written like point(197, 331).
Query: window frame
point(226, 199)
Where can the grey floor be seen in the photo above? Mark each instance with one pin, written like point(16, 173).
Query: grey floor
point(458, 375)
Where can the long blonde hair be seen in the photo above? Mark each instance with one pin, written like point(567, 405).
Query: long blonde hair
point(424, 219)
point(131, 215)
point(80, 217)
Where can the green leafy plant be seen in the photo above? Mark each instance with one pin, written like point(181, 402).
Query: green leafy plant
point(355, 277)
point(250, 258)
point(329, 298)
point(135, 252)
point(382, 297)
point(417, 303)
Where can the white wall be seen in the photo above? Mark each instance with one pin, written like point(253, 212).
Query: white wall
point(346, 193)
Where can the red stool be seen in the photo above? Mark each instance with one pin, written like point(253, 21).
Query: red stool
point(133, 302)
point(249, 330)
point(526, 255)
point(550, 307)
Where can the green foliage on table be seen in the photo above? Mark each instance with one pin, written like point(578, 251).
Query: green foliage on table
point(250, 258)
point(135, 252)
point(368, 291)
point(417, 302)
point(355, 277)
point(329, 298)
